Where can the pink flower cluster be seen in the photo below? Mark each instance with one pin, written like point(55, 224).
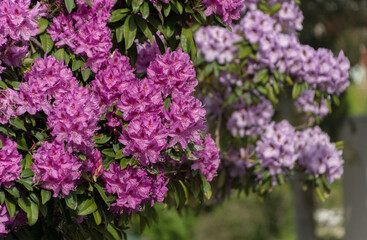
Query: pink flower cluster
point(208, 159)
point(10, 159)
point(146, 54)
point(18, 24)
point(113, 78)
point(85, 31)
point(56, 169)
point(174, 72)
point(4, 220)
point(133, 186)
point(74, 118)
point(228, 9)
point(306, 103)
point(46, 82)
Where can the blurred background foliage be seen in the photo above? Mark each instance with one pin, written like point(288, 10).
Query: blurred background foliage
point(333, 24)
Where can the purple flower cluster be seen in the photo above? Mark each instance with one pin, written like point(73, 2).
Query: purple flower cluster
point(144, 138)
point(4, 220)
point(277, 148)
point(113, 78)
point(133, 186)
point(7, 104)
point(174, 72)
point(48, 80)
point(74, 118)
point(306, 103)
point(217, 43)
point(318, 155)
point(184, 119)
point(10, 159)
point(319, 67)
point(85, 31)
point(289, 18)
point(18, 24)
point(56, 169)
point(251, 121)
point(141, 97)
point(228, 9)
point(208, 159)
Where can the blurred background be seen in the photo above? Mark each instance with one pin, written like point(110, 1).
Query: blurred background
point(336, 25)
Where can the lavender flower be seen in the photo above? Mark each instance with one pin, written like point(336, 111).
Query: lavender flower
point(10, 159)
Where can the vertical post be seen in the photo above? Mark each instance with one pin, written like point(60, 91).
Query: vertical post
point(354, 132)
point(304, 208)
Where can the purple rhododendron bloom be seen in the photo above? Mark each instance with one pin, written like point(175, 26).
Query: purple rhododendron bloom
point(208, 158)
point(174, 72)
point(144, 138)
point(4, 220)
point(56, 169)
point(10, 159)
point(183, 120)
point(74, 118)
point(141, 97)
point(318, 155)
point(133, 186)
point(7, 104)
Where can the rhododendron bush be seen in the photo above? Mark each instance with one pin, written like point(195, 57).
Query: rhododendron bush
point(250, 76)
point(97, 122)
point(99, 117)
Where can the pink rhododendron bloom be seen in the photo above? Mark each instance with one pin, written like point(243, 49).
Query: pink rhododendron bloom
point(10, 159)
point(114, 77)
point(47, 81)
point(74, 118)
point(208, 158)
point(144, 138)
point(174, 72)
point(141, 97)
point(4, 220)
point(183, 120)
point(55, 169)
point(133, 187)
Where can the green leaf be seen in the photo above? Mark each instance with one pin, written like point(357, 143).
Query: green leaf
point(262, 75)
point(101, 139)
point(87, 206)
point(32, 213)
point(10, 206)
point(69, 5)
point(27, 173)
point(120, 33)
point(2, 197)
point(275, 8)
point(71, 200)
point(46, 42)
point(28, 161)
point(206, 187)
point(129, 32)
point(13, 191)
point(166, 9)
point(113, 231)
point(119, 154)
point(109, 152)
point(101, 193)
point(89, 3)
point(77, 64)
point(21, 142)
point(45, 196)
point(177, 5)
point(144, 28)
point(61, 54)
point(85, 74)
point(1, 144)
point(42, 24)
point(97, 217)
point(296, 90)
point(145, 10)
point(18, 123)
point(136, 5)
point(186, 38)
point(244, 52)
point(118, 14)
